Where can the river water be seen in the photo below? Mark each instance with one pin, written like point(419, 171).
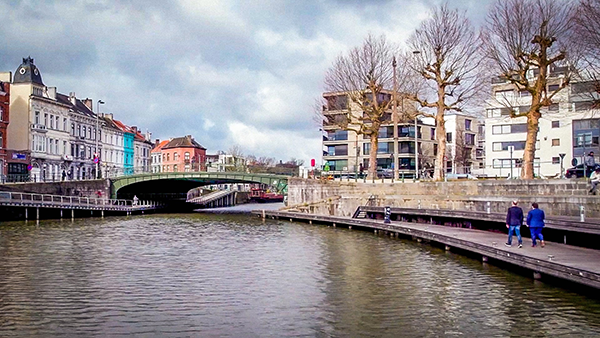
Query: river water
point(202, 275)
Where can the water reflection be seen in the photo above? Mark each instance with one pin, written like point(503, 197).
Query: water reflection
point(234, 276)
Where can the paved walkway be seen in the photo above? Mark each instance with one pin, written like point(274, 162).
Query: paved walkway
point(576, 264)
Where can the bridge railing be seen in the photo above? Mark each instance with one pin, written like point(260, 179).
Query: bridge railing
point(67, 201)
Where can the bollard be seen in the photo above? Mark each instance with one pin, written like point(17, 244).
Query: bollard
point(581, 213)
point(419, 204)
point(488, 207)
point(387, 211)
point(484, 259)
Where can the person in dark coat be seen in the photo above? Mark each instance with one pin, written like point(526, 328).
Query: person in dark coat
point(514, 219)
point(535, 222)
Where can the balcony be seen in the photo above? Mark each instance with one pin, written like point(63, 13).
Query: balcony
point(39, 127)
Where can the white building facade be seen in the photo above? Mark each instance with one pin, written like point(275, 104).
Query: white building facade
point(568, 129)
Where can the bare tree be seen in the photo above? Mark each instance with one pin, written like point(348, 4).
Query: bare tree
point(362, 76)
point(523, 40)
point(587, 30)
point(447, 59)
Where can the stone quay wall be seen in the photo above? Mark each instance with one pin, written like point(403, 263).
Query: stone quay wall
point(341, 198)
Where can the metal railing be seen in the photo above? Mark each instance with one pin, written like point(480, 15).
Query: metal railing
point(32, 199)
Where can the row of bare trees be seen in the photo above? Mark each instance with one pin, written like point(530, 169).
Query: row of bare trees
point(448, 64)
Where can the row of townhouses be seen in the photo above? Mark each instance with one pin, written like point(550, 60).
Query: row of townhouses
point(491, 144)
point(46, 135)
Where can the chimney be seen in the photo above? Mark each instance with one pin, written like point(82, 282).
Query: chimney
point(157, 141)
point(52, 92)
point(134, 128)
point(108, 116)
point(89, 103)
point(72, 98)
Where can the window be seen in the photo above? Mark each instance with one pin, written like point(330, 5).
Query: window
point(553, 88)
point(468, 124)
point(168, 157)
point(449, 137)
point(366, 148)
point(89, 132)
point(51, 121)
point(1, 139)
point(556, 160)
point(186, 156)
point(553, 107)
point(175, 156)
point(469, 139)
point(406, 131)
point(46, 119)
point(503, 146)
point(433, 133)
point(337, 150)
point(509, 128)
point(555, 124)
point(338, 165)
point(338, 135)
point(37, 117)
point(555, 142)
point(1, 114)
point(174, 167)
point(504, 95)
point(524, 93)
point(65, 125)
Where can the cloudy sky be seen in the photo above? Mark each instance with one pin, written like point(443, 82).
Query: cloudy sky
point(229, 72)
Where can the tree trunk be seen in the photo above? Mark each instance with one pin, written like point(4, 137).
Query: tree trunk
point(440, 133)
point(440, 136)
point(373, 157)
point(533, 118)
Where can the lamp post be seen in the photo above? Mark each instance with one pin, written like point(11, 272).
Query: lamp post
point(97, 157)
point(562, 156)
point(395, 120)
point(415, 53)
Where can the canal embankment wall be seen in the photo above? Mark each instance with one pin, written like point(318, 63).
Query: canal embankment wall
point(342, 198)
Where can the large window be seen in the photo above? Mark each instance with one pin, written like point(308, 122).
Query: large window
point(500, 146)
point(468, 124)
point(449, 137)
point(338, 165)
point(499, 163)
point(407, 131)
point(337, 135)
point(469, 139)
point(509, 128)
point(337, 150)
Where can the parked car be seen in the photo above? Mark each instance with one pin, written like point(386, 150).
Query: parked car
point(385, 173)
point(577, 171)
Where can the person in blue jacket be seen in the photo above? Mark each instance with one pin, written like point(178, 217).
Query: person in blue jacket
point(514, 220)
point(535, 222)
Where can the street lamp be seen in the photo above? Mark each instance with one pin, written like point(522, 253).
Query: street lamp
point(395, 120)
point(562, 156)
point(97, 157)
point(415, 53)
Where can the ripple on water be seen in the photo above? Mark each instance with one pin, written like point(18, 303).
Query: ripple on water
point(233, 276)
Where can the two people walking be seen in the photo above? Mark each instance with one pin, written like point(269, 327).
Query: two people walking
point(535, 222)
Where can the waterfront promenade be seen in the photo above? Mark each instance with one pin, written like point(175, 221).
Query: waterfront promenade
point(566, 262)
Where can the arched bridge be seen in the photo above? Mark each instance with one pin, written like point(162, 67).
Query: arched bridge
point(180, 183)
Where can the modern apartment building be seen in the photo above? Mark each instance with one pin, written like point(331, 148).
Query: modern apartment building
point(568, 129)
point(462, 143)
point(4, 109)
point(345, 151)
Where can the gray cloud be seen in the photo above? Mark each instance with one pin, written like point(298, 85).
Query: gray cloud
point(229, 72)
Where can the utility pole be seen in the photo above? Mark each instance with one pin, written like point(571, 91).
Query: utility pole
point(395, 120)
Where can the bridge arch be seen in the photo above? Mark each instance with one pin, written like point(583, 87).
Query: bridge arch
point(171, 182)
